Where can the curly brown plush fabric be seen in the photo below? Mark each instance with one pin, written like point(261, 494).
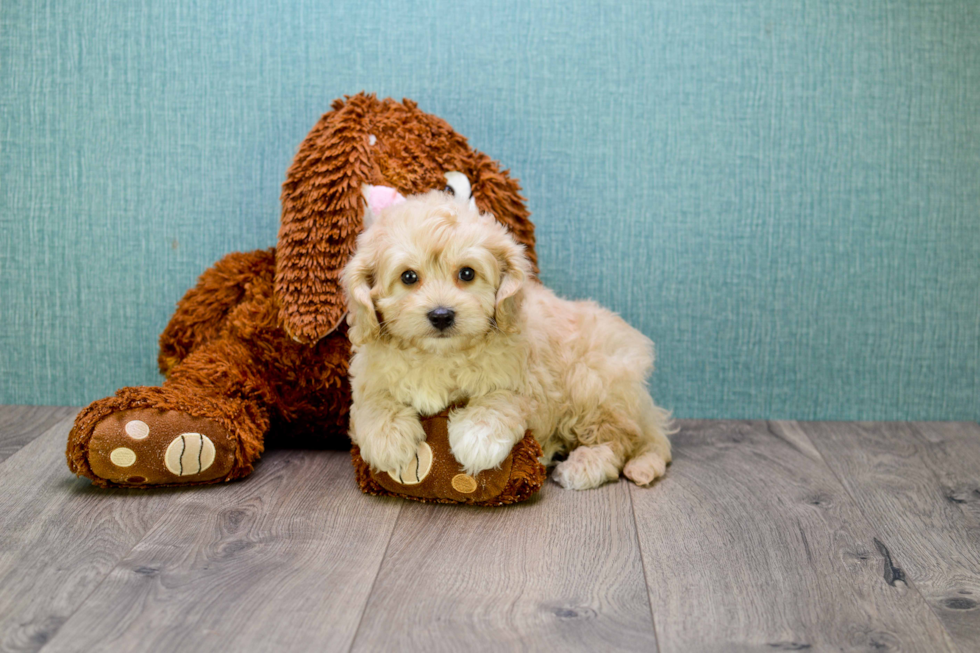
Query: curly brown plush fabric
point(259, 345)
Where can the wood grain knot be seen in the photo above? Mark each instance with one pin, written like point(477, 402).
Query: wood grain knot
point(959, 603)
point(572, 612)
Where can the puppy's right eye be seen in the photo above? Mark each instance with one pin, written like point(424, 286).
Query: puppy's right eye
point(409, 277)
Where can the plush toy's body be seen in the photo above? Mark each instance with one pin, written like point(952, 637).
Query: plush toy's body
point(259, 344)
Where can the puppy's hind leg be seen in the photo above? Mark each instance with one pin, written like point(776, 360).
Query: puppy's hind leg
point(589, 466)
point(651, 454)
point(601, 450)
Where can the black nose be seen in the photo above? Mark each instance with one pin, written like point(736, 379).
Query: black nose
point(442, 318)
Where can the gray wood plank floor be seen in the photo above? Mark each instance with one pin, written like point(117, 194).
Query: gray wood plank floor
point(759, 547)
point(21, 424)
point(919, 485)
point(763, 536)
point(562, 572)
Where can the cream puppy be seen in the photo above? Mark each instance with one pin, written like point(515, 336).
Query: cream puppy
point(443, 308)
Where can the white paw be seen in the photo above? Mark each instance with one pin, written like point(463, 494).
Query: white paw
point(587, 468)
point(645, 469)
point(479, 445)
point(389, 446)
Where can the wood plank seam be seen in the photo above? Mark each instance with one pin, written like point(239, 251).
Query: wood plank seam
point(643, 563)
point(377, 572)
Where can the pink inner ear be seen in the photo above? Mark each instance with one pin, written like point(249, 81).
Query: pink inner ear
point(381, 197)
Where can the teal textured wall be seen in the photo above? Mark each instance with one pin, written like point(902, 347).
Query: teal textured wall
point(784, 195)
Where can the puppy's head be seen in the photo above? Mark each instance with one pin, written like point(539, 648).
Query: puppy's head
point(435, 274)
point(365, 151)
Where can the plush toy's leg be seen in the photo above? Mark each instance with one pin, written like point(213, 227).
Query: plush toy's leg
point(205, 424)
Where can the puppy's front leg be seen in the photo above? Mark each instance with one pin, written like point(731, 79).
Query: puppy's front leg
point(482, 434)
point(387, 432)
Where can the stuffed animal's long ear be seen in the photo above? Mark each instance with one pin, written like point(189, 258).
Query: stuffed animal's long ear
point(322, 208)
point(359, 277)
point(497, 193)
point(515, 268)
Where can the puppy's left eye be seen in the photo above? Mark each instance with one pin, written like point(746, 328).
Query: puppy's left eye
point(467, 274)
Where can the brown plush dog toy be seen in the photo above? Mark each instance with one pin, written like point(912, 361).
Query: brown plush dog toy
point(260, 344)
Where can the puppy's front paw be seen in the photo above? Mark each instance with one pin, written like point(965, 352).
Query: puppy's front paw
point(389, 446)
point(480, 444)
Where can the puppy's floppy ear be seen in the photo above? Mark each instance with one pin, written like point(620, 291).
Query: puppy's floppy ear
point(322, 206)
point(359, 277)
point(515, 268)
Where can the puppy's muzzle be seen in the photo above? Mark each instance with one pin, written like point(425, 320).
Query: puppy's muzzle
point(442, 318)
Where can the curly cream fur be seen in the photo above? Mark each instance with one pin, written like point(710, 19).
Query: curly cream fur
point(572, 372)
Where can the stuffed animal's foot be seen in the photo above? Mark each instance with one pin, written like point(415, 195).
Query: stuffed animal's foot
point(146, 446)
point(587, 468)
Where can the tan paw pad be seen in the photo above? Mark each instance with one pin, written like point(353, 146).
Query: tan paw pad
point(189, 453)
point(137, 429)
point(123, 457)
point(464, 483)
point(416, 471)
